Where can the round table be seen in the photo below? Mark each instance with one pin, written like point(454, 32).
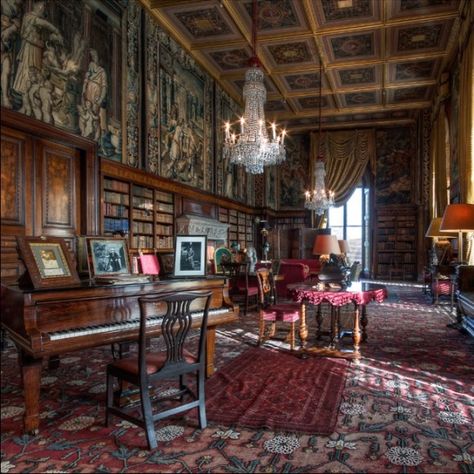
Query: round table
point(358, 294)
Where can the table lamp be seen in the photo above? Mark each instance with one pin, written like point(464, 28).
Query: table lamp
point(326, 245)
point(458, 218)
point(439, 238)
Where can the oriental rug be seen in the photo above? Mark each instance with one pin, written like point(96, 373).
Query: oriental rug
point(407, 407)
point(264, 388)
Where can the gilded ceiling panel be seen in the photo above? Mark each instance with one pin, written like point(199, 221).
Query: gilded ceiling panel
point(334, 12)
point(413, 70)
point(400, 8)
point(231, 59)
point(353, 46)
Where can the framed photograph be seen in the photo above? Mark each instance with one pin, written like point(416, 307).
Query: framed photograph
point(221, 255)
point(48, 261)
point(108, 257)
point(190, 256)
point(166, 260)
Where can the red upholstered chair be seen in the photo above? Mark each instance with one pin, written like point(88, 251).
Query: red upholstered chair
point(285, 312)
point(443, 283)
point(242, 285)
point(171, 313)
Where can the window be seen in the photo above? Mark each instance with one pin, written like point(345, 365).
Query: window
point(350, 222)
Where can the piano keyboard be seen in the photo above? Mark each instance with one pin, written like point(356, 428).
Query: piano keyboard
point(121, 325)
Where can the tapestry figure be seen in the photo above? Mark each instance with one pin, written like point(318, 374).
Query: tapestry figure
point(93, 106)
point(33, 29)
point(10, 23)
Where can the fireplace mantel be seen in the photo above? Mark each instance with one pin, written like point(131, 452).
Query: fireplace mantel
point(188, 224)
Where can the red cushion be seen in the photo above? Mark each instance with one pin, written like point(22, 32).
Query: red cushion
point(442, 287)
point(154, 362)
point(282, 312)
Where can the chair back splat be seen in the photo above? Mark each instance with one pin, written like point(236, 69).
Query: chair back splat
point(174, 315)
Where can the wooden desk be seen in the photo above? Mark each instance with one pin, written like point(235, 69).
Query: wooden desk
point(358, 294)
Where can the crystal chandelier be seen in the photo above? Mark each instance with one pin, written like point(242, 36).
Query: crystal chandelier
point(319, 200)
point(253, 148)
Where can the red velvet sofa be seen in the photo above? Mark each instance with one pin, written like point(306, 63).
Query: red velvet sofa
point(295, 270)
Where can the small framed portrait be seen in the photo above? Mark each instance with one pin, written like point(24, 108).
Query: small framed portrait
point(166, 260)
point(221, 255)
point(108, 257)
point(48, 261)
point(190, 255)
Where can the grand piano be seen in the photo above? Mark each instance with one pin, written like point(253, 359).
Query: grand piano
point(45, 323)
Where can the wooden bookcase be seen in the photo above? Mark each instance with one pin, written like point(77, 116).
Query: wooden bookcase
point(164, 219)
point(240, 226)
point(144, 212)
point(116, 206)
point(395, 243)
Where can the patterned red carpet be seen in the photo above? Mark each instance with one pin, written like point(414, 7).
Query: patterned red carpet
point(269, 389)
point(408, 406)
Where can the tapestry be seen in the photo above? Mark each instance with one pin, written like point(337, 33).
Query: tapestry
point(185, 117)
point(57, 64)
point(230, 182)
point(293, 177)
point(270, 186)
point(152, 102)
point(395, 151)
point(133, 97)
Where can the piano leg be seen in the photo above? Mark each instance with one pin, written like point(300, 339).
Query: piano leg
point(31, 376)
point(210, 350)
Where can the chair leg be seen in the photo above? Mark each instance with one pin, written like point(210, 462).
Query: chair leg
point(246, 304)
point(110, 397)
point(202, 400)
point(272, 329)
point(147, 414)
point(261, 330)
point(292, 336)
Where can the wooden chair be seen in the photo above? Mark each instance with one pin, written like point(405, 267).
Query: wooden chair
point(241, 285)
point(149, 367)
point(286, 312)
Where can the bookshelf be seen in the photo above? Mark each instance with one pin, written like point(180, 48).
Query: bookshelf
point(164, 220)
point(116, 206)
point(145, 213)
point(142, 217)
point(395, 243)
point(240, 226)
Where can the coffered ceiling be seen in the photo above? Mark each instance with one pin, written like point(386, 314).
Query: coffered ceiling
point(381, 58)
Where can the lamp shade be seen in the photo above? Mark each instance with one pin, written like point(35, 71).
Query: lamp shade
point(434, 231)
point(325, 245)
point(344, 246)
point(458, 217)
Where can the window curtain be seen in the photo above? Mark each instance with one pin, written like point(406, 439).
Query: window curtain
point(346, 154)
point(440, 153)
point(466, 133)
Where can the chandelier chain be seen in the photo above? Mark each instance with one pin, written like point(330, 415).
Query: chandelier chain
point(319, 200)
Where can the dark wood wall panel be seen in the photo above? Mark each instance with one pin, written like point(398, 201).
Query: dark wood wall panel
point(12, 186)
point(60, 178)
point(48, 186)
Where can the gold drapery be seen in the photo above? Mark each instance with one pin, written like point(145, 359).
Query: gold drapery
point(466, 133)
point(346, 154)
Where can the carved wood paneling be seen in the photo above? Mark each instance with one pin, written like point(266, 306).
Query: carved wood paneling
point(59, 184)
point(12, 188)
point(43, 169)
